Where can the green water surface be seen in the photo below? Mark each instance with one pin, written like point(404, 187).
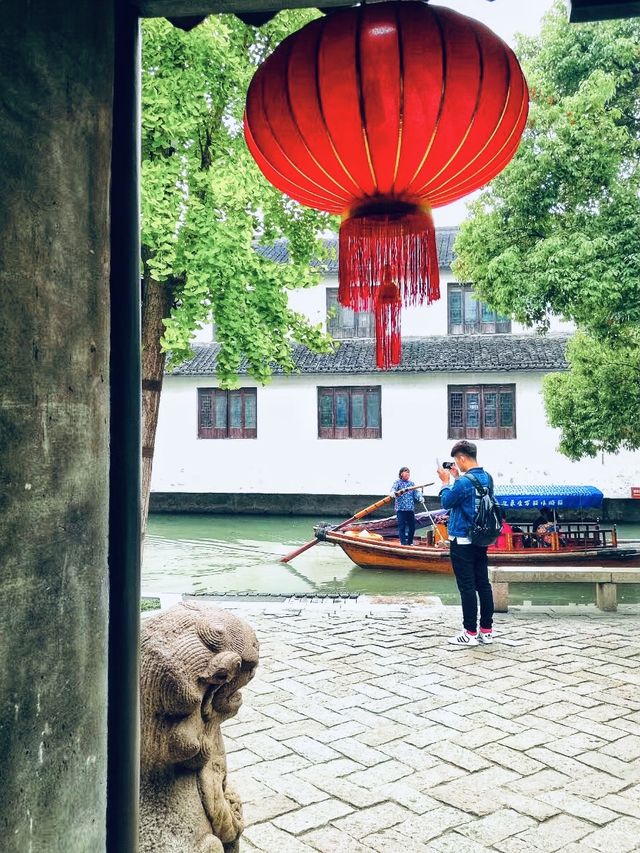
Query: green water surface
point(240, 554)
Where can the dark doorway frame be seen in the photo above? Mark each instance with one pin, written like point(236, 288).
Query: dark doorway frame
point(123, 721)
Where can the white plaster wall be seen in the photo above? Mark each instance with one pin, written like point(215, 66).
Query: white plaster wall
point(417, 321)
point(204, 335)
point(288, 456)
point(312, 301)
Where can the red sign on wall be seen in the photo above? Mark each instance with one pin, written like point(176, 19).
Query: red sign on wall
point(635, 491)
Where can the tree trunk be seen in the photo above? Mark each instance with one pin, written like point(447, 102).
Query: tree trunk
point(157, 299)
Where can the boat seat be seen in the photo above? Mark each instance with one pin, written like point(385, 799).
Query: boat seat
point(605, 579)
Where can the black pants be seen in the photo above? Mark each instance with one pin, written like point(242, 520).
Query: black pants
point(406, 525)
point(470, 566)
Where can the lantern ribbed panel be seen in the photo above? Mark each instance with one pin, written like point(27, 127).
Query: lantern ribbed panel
point(379, 106)
point(400, 99)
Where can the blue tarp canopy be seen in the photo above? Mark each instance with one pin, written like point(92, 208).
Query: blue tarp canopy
point(554, 497)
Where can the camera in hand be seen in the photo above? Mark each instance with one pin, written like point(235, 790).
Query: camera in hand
point(447, 465)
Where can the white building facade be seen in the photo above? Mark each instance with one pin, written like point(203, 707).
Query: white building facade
point(341, 427)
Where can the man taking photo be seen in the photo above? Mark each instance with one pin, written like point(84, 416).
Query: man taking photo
point(460, 496)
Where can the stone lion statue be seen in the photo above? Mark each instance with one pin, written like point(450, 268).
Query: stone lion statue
point(195, 658)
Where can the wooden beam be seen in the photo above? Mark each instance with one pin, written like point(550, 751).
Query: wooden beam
point(582, 11)
point(191, 8)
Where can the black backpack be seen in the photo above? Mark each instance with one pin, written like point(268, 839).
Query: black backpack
point(487, 522)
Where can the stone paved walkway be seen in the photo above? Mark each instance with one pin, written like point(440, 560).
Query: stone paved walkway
point(363, 731)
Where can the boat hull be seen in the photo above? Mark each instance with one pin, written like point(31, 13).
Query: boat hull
point(380, 554)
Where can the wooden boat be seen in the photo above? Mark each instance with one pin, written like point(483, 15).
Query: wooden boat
point(374, 545)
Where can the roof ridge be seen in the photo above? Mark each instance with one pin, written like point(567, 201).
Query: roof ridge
point(427, 354)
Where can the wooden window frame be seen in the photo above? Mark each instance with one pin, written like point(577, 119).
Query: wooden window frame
point(207, 398)
point(364, 321)
point(495, 326)
point(349, 393)
point(483, 393)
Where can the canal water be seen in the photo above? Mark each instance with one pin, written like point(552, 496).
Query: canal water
point(240, 554)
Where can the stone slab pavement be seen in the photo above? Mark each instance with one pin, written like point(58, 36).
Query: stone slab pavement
point(364, 731)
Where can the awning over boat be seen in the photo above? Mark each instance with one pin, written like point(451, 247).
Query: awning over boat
point(554, 497)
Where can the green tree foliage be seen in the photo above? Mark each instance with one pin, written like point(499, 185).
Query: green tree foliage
point(559, 230)
point(204, 200)
point(599, 397)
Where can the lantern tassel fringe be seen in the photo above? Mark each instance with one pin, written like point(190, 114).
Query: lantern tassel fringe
point(374, 247)
point(388, 308)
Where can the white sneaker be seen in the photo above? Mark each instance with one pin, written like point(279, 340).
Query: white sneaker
point(463, 639)
point(485, 639)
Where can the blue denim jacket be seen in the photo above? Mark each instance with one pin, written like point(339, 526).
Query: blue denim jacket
point(462, 500)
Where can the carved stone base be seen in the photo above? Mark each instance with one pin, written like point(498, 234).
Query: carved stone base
point(195, 659)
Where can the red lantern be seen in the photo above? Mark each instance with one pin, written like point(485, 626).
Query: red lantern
point(379, 113)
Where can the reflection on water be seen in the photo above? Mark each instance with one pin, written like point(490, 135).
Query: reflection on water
point(235, 554)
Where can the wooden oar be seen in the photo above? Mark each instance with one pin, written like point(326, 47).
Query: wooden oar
point(353, 518)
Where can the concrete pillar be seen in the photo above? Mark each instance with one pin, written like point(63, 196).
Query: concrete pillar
point(56, 75)
point(607, 596)
point(500, 596)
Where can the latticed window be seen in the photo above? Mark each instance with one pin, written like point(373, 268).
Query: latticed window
point(344, 323)
point(349, 412)
point(227, 414)
point(482, 411)
point(469, 316)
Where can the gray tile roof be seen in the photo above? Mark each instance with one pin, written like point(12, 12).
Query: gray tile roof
point(445, 238)
point(435, 354)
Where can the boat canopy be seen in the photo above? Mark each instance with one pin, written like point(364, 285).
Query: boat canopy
point(554, 497)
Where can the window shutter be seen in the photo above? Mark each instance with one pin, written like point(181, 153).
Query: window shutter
point(250, 412)
point(490, 427)
point(205, 413)
point(326, 420)
point(456, 317)
point(346, 323)
point(349, 412)
point(508, 411)
point(473, 412)
point(373, 413)
point(470, 316)
point(481, 411)
point(456, 412)
point(341, 412)
point(227, 414)
point(220, 413)
point(358, 416)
